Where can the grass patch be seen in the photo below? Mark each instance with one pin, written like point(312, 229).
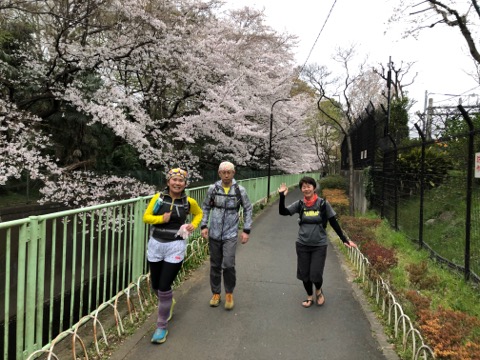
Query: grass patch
point(440, 303)
point(444, 220)
point(444, 307)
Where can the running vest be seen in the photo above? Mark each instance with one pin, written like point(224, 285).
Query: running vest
point(180, 210)
point(320, 207)
point(231, 202)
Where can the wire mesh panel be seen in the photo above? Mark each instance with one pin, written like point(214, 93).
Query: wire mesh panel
point(475, 209)
point(429, 191)
point(444, 201)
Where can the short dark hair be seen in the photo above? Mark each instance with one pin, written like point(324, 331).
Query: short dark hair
point(307, 180)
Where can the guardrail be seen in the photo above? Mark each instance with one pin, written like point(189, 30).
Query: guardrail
point(61, 270)
point(380, 289)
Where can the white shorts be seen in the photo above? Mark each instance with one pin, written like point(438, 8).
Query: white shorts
point(172, 252)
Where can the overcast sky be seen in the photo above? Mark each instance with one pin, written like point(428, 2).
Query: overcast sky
point(441, 55)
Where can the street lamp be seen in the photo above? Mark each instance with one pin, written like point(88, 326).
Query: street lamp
point(270, 146)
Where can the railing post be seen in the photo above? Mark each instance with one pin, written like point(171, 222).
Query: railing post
point(27, 288)
point(395, 181)
point(470, 166)
point(138, 251)
point(21, 260)
point(422, 181)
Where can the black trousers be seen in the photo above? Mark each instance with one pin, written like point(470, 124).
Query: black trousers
point(311, 262)
point(163, 274)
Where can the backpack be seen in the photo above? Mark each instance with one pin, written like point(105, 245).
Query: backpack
point(320, 205)
point(159, 203)
point(219, 191)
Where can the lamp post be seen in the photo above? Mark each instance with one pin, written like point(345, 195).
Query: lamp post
point(270, 146)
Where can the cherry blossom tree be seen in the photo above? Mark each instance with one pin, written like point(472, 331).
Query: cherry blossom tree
point(22, 146)
point(179, 83)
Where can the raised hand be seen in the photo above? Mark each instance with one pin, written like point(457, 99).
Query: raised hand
point(283, 189)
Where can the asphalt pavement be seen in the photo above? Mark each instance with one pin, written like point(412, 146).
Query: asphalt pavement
point(268, 321)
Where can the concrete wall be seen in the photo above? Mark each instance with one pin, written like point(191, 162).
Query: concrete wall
point(361, 203)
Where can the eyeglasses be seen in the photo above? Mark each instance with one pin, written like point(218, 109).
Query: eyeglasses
point(177, 172)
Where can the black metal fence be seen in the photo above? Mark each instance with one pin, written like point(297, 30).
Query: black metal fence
point(24, 191)
point(428, 189)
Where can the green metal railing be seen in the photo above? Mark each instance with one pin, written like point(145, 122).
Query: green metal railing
point(61, 268)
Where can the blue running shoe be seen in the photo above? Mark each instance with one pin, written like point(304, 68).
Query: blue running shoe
point(159, 336)
point(171, 310)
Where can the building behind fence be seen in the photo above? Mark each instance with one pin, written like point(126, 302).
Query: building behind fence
point(427, 189)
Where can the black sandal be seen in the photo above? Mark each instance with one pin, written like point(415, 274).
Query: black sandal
point(320, 298)
point(309, 302)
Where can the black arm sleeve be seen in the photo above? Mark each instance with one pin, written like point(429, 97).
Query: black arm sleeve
point(336, 226)
point(282, 210)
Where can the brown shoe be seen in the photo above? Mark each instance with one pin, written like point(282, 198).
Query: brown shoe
point(215, 300)
point(229, 301)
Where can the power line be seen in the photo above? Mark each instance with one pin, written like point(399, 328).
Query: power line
point(453, 96)
point(323, 26)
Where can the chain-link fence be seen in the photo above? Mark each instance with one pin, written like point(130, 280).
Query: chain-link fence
point(429, 190)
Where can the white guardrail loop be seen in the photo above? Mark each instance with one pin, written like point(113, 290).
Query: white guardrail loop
point(380, 290)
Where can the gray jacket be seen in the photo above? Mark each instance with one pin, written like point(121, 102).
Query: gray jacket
point(222, 210)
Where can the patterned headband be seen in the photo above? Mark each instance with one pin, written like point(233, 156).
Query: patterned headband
point(177, 172)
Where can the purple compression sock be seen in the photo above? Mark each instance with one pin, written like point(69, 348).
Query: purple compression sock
point(164, 304)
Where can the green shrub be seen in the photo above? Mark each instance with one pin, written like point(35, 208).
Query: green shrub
point(437, 165)
point(368, 183)
point(333, 182)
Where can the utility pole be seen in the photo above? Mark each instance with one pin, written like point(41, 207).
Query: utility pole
point(270, 147)
point(428, 124)
point(424, 125)
point(427, 116)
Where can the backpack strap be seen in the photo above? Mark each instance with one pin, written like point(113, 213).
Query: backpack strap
point(160, 201)
point(238, 194)
point(323, 212)
point(186, 204)
point(302, 210)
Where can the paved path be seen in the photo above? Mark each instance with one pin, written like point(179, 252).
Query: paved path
point(268, 321)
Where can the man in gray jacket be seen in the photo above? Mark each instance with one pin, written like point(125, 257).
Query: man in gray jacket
point(223, 202)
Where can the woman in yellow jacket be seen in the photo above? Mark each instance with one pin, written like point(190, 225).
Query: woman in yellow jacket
point(167, 212)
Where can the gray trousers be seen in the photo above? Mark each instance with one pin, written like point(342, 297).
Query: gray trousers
point(222, 259)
